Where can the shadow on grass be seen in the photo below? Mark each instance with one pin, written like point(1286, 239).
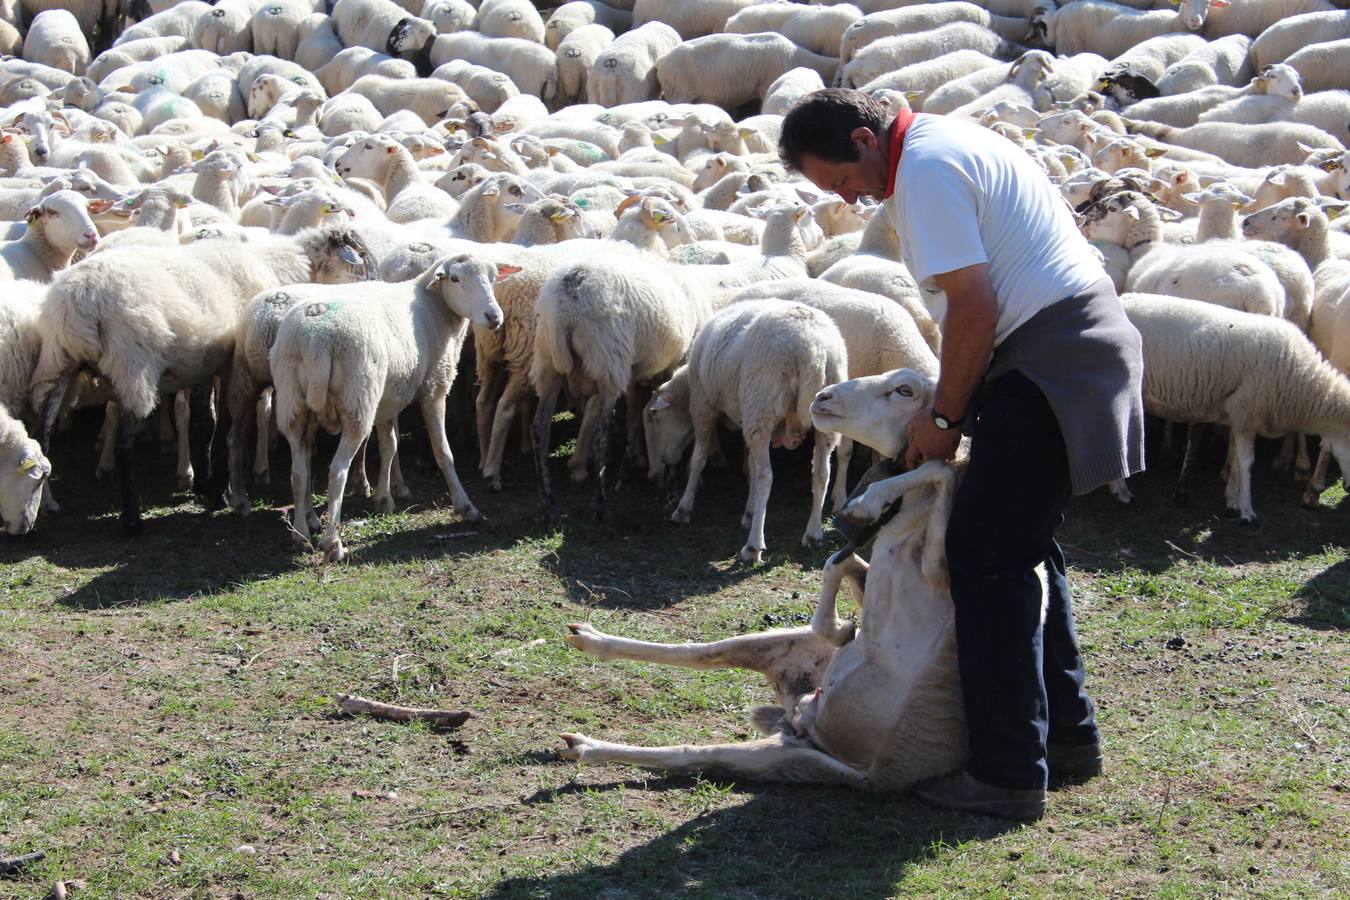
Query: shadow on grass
point(1326, 598)
point(783, 841)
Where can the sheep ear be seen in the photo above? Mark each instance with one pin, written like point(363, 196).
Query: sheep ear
point(1301, 146)
point(517, 208)
point(98, 206)
point(1131, 212)
point(348, 254)
point(504, 272)
point(1329, 165)
point(1167, 214)
point(808, 196)
point(1193, 198)
point(32, 215)
point(491, 189)
point(756, 211)
point(277, 201)
point(660, 401)
point(1303, 219)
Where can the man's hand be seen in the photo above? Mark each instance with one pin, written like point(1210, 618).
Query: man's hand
point(927, 441)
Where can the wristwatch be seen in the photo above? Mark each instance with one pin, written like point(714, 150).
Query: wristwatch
point(943, 422)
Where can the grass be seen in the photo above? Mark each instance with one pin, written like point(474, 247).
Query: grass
point(172, 695)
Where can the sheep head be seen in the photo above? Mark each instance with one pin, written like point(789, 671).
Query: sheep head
point(874, 410)
point(23, 473)
point(63, 218)
point(667, 427)
point(464, 283)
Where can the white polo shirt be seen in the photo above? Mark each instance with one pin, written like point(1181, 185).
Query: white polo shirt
point(965, 195)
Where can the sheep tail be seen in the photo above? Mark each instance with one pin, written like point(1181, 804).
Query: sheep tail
point(319, 368)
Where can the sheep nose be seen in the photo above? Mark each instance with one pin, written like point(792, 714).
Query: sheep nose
point(493, 319)
point(823, 396)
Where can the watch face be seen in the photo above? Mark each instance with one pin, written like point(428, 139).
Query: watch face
point(941, 422)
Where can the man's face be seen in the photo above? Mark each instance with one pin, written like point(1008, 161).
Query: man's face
point(866, 177)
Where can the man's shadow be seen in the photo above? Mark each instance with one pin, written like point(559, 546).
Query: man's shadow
point(783, 841)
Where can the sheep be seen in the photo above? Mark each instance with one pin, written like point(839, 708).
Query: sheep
point(1255, 374)
point(1329, 331)
point(24, 468)
point(892, 53)
point(816, 28)
point(1254, 16)
point(58, 226)
point(163, 318)
point(1243, 145)
point(1299, 223)
point(1111, 29)
point(843, 706)
point(788, 88)
point(275, 26)
point(1321, 67)
point(1184, 110)
point(757, 364)
point(731, 70)
point(650, 224)
point(625, 72)
point(576, 53)
point(1327, 110)
point(1283, 38)
point(1070, 78)
point(429, 98)
point(879, 337)
point(963, 89)
point(383, 160)
point(228, 28)
point(380, 25)
point(55, 39)
point(179, 20)
point(580, 13)
point(510, 19)
point(923, 78)
point(690, 18)
point(351, 365)
point(11, 41)
point(136, 51)
point(529, 65)
point(909, 20)
point(1225, 61)
point(339, 72)
point(1024, 76)
point(488, 88)
point(318, 42)
point(1331, 178)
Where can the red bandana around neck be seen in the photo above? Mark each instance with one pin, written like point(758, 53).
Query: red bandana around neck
point(897, 138)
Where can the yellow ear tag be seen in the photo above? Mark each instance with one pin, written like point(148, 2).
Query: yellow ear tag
point(28, 465)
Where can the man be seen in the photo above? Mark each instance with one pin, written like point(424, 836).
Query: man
point(1041, 367)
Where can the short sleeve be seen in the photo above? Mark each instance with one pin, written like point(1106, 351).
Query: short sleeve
point(941, 221)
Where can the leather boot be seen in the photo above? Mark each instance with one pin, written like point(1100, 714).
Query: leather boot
point(962, 791)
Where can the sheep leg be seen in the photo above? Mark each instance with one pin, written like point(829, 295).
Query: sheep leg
point(761, 481)
point(525, 417)
point(1195, 439)
point(217, 480)
point(539, 433)
point(397, 485)
point(352, 440)
point(433, 414)
point(168, 433)
point(126, 473)
point(703, 438)
point(360, 484)
point(201, 425)
point(515, 390)
point(1240, 477)
point(579, 462)
point(843, 455)
point(490, 386)
point(387, 432)
point(820, 480)
point(112, 413)
point(777, 758)
point(599, 457)
point(301, 442)
point(239, 438)
point(1318, 482)
point(633, 455)
point(184, 421)
point(262, 417)
point(825, 621)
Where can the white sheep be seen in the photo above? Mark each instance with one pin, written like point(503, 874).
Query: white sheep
point(962, 89)
point(350, 362)
point(153, 319)
point(228, 28)
point(1301, 224)
point(486, 87)
point(788, 88)
point(730, 70)
point(1329, 330)
point(892, 53)
point(339, 72)
point(510, 19)
point(1283, 38)
point(1243, 145)
point(380, 25)
point(429, 98)
point(580, 13)
point(691, 18)
point(135, 51)
point(1111, 29)
point(58, 226)
point(276, 26)
point(388, 163)
point(907, 20)
point(179, 20)
point(1255, 374)
point(923, 78)
point(1252, 17)
point(449, 15)
point(1322, 66)
point(625, 72)
point(1026, 74)
point(529, 64)
point(1327, 110)
point(757, 364)
point(24, 469)
point(318, 42)
point(1225, 61)
point(55, 39)
point(816, 28)
point(576, 53)
point(1183, 110)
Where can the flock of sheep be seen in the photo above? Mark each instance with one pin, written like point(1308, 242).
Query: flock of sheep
point(297, 212)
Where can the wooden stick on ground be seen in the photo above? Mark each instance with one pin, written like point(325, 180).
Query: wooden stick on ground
point(16, 864)
point(360, 706)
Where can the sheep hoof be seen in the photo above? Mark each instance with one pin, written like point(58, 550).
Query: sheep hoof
point(262, 477)
point(187, 481)
point(812, 540)
point(576, 748)
point(680, 516)
point(132, 524)
point(578, 475)
point(751, 555)
point(1181, 498)
point(301, 541)
point(384, 503)
point(336, 553)
point(470, 513)
point(581, 636)
point(1311, 499)
point(359, 489)
point(240, 506)
point(402, 492)
point(1250, 524)
point(495, 484)
point(1302, 473)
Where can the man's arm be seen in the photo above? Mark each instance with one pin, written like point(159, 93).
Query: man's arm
point(967, 343)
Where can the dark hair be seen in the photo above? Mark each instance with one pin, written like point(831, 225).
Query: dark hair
point(820, 124)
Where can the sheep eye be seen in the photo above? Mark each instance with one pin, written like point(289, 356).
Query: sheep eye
point(905, 391)
point(370, 146)
point(454, 279)
point(516, 191)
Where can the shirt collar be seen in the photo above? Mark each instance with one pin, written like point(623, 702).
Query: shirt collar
point(896, 137)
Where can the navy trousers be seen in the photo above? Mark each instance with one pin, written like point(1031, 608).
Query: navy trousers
point(1022, 679)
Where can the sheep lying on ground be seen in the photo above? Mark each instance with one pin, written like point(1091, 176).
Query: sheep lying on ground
point(847, 713)
point(350, 361)
point(1255, 374)
point(758, 365)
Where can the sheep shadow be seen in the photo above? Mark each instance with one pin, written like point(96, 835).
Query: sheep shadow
point(782, 841)
point(1326, 600)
